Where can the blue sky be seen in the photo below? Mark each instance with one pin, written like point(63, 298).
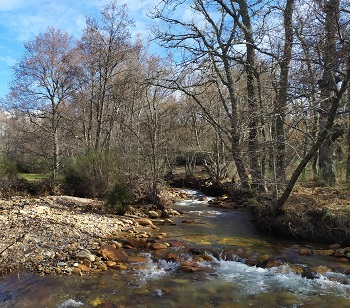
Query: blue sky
point(21, 20)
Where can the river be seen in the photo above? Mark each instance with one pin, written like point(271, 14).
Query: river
point(221, 283)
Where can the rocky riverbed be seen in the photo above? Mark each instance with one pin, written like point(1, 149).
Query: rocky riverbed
point(67, 235)
point(59, 234)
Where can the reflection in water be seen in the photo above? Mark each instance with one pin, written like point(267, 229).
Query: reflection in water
point(221, 284)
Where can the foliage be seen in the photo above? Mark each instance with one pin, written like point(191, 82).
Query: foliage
point(7, 168)
point(119, 198)
point(91, 174)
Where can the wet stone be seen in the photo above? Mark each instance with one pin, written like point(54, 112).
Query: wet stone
point(305, 252)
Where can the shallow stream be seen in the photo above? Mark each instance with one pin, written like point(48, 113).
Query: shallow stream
point(222, 283)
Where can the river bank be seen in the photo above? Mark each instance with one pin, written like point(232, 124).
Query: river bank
point(63, 235)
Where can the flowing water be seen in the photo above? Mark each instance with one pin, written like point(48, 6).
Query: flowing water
point(221, 283)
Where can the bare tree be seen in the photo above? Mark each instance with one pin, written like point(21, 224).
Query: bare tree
point(44, 81)
point(105, 47)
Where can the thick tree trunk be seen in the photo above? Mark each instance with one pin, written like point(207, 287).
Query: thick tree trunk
point(282, 94)
point(254, 163)
point(328, 86)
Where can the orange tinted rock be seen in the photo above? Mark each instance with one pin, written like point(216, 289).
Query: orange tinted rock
point(110, 253)
point(137, 259)
point(83, 267)
point(137, 242)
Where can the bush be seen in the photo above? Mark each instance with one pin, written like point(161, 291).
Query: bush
point(92, 174)
point(119, 198)
point(8, 177)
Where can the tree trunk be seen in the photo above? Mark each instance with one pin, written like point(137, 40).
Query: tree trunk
point(282, 94)
point(328, 86)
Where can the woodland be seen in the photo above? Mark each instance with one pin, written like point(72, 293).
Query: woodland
point(252, 95)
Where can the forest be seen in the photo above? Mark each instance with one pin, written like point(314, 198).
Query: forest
point(254, 94)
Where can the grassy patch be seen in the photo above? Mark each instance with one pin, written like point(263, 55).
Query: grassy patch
point(34, 177)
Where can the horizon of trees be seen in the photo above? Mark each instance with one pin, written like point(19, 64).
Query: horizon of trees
point(256, 93)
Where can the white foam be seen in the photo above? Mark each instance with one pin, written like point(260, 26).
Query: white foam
point(70, 303)
point(255, 280)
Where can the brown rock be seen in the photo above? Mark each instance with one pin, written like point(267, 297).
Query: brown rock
point(158, 246)
point(347, 249)
point(77, 271)
point(101, 266)
point(263, 258)
point(325, 252)
point(334, 246)
point(321, 269)
point(305, 252)
point(342, 259)
point(110, 253)
point(111, 263)
point(339, 253)
point(120, 267)
point(153, 214)
point(144, 222)
point(137, 259)
point(137, 242)
point(189, 267)
point(175, 243)
point(83, 267)
point(172, 257)
point(87, 263)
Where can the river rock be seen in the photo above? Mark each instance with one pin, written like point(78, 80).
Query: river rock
point(172, 257)
point(83, 267)
point(77, 271)
point(325, 252)
point(85, 254)
point(189, 267)
point(110, 253)
point(137, 259)
point(158, 246)
point(153, 214)
point(136, 242)
point(339, 253)
point(346, 249)
point(305, 252)
point(320, 269)
point(101, 265)
point(144, 222)
point(334, 246)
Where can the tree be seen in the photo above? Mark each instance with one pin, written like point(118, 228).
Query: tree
point(104, 50)
point(212, 55)
point(282, 93)
point(331, 98)
point(328, 85)
point(43, 84)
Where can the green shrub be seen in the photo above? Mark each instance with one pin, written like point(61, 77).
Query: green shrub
point(119, 198)
point(8, 177)
point(92, 174)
